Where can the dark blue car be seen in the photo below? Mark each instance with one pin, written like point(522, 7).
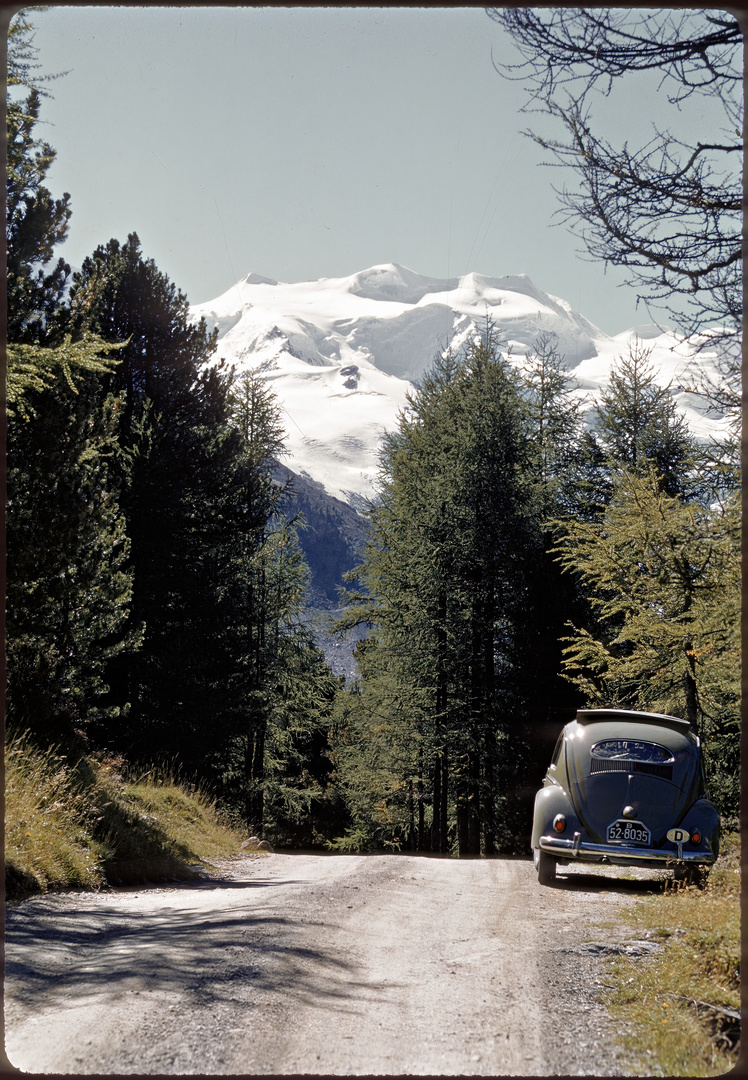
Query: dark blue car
point(625, 789)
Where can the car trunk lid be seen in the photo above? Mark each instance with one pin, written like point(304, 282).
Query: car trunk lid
point(600, 798)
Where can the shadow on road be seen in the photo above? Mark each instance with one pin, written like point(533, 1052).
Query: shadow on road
point(577, 881)
point(206, 884)
point(56, 954)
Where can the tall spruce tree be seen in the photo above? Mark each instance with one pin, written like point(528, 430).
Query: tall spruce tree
point(638, 423)
point(181, 477)
point(554, 414)
point(269, 590)
point(289, 794)
point(271, 768)
point(69, 581)
point(562, 466)
point(454, 539)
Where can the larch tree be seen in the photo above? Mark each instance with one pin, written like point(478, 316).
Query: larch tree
point(668, 211)
point(663, 574)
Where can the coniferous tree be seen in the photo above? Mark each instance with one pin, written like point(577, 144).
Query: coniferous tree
point(35, 224)
point(563, 465)
point(270, 762)
point(290, 796)
point(35, 221)
point(124, 297)
point(217, 577)
point(31, 369)
point(68, 574)
point(554, 415)
point(179, 479)
point(636, 425)
point(453, 541)
point(638, 422)
point(261, 599)
point(69, 581)
point(384, 756)
point(664, 577)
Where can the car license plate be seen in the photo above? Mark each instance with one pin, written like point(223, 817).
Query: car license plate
point(629, 832)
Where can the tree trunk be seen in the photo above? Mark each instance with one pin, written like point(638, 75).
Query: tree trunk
point(488, 794)
point(256, 771)
point(468, 815)
point(436, 810)
point(421, 841)
point(443, 828)
point(692, 693)
point(411, 819)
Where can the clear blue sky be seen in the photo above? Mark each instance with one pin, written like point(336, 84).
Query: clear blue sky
point(302, 143)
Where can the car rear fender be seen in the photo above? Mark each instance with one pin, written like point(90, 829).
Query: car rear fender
point(703, 816)
point(549, 801)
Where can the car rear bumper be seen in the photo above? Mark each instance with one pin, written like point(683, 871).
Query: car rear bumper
point(578, 850)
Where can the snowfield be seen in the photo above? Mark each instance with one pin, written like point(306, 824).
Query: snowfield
point(342, 354)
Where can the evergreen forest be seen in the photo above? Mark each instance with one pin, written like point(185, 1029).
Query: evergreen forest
point(519, 563)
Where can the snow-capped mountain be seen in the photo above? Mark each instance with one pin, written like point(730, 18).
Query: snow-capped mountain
point(341, 354)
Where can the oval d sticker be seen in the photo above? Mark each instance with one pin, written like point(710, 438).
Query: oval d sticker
point(678, 836)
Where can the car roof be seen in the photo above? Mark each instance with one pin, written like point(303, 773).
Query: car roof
point(588, 716)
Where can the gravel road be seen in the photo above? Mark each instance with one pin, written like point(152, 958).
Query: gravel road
point(319, 964)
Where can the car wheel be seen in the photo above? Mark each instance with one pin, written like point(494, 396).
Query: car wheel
point(546, 866)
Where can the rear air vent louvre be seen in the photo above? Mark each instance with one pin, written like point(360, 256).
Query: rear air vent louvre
point(598, 765)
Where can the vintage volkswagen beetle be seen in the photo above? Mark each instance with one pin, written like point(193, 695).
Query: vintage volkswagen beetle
point(627, 789)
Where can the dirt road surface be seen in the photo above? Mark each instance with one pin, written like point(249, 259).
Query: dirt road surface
point(331, 965)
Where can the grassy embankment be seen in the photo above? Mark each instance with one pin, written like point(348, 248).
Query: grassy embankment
point(81, 825)
point(677, 1009)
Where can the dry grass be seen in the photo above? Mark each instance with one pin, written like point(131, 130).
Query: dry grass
point(670, 1006)
point(48, 840)
point(83, 825)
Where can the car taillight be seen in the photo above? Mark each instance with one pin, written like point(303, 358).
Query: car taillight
point(559, 823)
point(695, 837)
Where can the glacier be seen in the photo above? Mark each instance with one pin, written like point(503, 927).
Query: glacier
point(342, 354)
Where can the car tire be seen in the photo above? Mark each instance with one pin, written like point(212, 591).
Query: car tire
point(546, 867)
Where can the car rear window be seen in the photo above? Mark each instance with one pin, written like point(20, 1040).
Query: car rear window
point(557, 750)
point(631, 750)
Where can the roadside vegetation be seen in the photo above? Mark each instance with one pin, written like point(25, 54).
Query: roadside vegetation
point(89, 823)
point(679, 1010)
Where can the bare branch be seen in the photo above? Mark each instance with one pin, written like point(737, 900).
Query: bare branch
point(669, 212)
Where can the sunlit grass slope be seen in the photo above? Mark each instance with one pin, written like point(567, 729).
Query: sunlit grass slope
point(85, 824)
point(678, 1008)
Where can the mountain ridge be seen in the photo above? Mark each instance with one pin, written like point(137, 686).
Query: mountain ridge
point(343, 353)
